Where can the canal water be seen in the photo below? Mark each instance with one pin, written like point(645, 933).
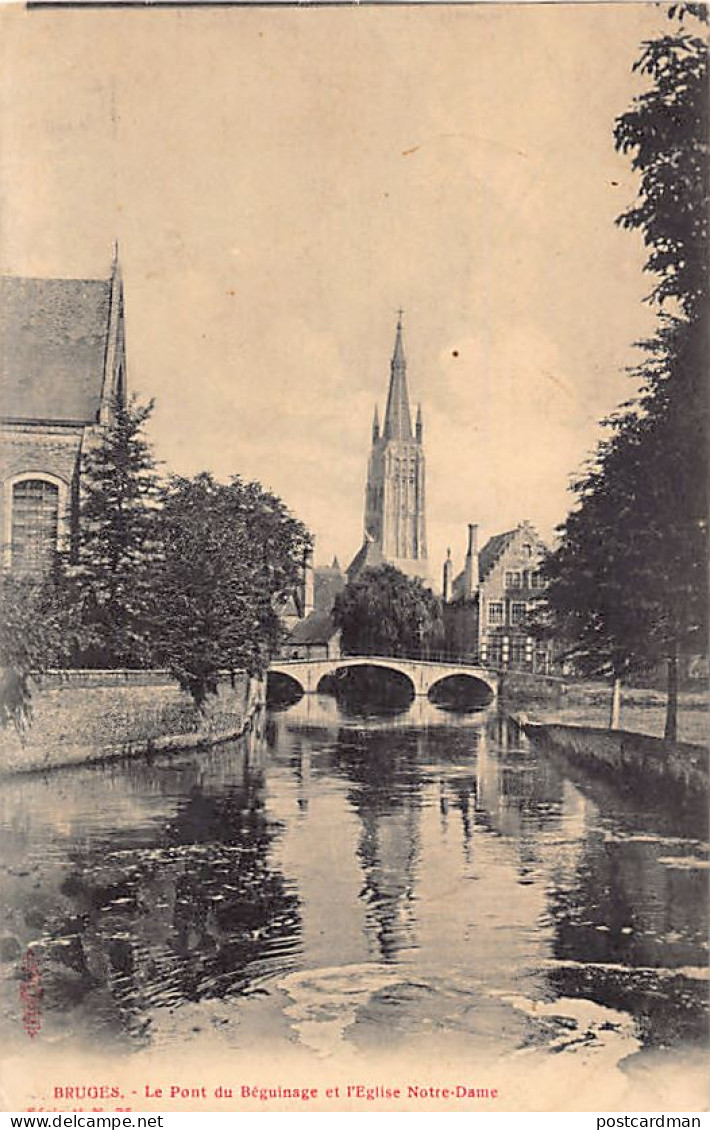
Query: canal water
point(345, 883)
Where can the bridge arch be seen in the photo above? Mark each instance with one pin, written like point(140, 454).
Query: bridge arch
point(469, 689)
point(365, 662)
point(283, 686)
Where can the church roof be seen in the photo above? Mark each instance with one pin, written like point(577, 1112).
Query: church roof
point(328, 581)
point(316, 628)
point(398, 418)
point(53, 341)
point(368, 556)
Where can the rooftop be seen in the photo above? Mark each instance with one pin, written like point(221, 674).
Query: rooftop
point(53, 339)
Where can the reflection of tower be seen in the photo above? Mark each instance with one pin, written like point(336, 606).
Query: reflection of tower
point(388, 847)
point(388, 850)
point(395, 529)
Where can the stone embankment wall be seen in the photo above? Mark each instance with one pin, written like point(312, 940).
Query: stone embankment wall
point(626, 755)
point(85, 716)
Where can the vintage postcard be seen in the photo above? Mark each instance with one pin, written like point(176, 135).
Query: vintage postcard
point(340, 770)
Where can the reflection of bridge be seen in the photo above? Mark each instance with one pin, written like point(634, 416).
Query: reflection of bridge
point(423, 674)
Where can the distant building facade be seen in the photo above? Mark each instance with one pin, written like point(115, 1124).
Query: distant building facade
point(311, 632)
point(316, 637)
point(62, 367)
point(395, 521)
point(487, 605)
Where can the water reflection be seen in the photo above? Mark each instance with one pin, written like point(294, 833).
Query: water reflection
point(381, 879)
point(141, 904)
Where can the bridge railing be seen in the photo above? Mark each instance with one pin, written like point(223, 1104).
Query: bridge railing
point(469, 659)
point(446, 659)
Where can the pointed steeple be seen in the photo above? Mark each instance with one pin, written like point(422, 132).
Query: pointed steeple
point(114, 382)
point(398, 419)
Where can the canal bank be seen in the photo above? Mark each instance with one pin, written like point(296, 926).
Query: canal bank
point(78, 717)
point(627, 756)
point(643, 709)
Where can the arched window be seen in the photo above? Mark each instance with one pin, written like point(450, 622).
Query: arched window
point(35, 524)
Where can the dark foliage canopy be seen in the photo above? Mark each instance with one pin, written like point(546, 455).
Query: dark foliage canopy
point(628, 581)
point(666, 134)
point(109, 573)
point(34, 623)
point(231, 553)
point(384, 612)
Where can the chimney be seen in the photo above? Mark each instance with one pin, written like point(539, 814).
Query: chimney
point(308, 602)
point(448, 577)
point(471, 564)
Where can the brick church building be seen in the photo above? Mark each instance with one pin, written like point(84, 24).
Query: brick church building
point(62, 366)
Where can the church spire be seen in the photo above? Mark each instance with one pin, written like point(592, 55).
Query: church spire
point(398, 419)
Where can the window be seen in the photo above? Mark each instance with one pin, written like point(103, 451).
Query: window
point(35, 524)
point(536, 580)
point(513, 580)
point(519, 652)
point(518, 613)
point(495, 612)
point(527, 549)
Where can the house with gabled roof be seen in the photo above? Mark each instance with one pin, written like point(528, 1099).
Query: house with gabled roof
point(488, 604)
point(62, 368)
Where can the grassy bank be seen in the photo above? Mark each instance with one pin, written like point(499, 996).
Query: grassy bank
point(642, 709)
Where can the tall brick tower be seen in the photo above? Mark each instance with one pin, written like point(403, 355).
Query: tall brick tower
point(395, 529)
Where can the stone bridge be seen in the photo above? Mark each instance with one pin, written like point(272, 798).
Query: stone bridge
point(423, 674)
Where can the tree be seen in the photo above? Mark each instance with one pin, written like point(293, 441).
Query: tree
point(666, 131)
point(384, 612)
point(595, 602)
point(628, 581)
point(110, 568)
point(34, 629)
point(231, 555)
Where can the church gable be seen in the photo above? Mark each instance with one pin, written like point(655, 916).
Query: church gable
point(62, 354)
point(62, 363)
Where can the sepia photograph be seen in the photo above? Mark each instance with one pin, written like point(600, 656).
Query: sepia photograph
point(354, 588)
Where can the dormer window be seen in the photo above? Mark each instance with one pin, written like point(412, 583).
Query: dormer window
point(527, 549)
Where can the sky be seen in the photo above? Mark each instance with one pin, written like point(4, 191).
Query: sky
point(281, 182)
